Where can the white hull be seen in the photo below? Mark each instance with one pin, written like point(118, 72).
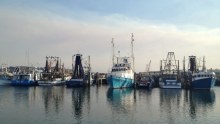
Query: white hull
point(170, 84)
point(48, 82)
point(170, 87)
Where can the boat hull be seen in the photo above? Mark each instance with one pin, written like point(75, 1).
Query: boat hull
point(170, 84)
point(24, 83)
point(51, 83)
point(75, 83)
point(4, 82)
point(144, 85)
point(120, 82)
point(205, 83)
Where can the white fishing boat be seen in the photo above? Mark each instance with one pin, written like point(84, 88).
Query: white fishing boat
point(122, 73)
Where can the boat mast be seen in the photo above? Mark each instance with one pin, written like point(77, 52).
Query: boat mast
point(27, 55)
point(132, 50)
point(113, 51)
point(203, 66)
point(148, 67)
point(89, 70)
point(170, 63)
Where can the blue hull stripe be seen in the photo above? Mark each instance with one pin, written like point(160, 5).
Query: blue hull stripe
point(120, 82)
point(206, 83)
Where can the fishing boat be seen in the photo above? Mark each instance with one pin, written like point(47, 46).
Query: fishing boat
point(169, 73)
point(5, 76)
point(5, 79)
point(24, 80)
point(122, 74)
point(145, 81)
point(169, 81)
point(79, 78)
point(201, 79)
point(52, 75)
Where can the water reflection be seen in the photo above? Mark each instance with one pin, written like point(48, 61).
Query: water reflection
point(170, 104)
point(103, 105)
point(170, 98)
point(201, 102)
point(53, 98)
point(121, 100)
point(185, 103)
point(24, 95)
point(80, 96)
point(145, 94)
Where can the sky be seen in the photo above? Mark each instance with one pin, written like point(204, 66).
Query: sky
point(62, 28)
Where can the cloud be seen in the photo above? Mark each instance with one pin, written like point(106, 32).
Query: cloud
point(48, 34)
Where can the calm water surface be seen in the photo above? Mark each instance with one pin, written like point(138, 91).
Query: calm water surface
point(101, 105)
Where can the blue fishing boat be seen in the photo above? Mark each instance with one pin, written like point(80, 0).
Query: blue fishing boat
point(122, 74)
point(201, 79)
point(78, 78)
point(24, 80)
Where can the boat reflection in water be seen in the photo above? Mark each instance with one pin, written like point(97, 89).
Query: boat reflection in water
point(121, 100)
point(170, 104)
point(170, 99)
point(196, 104)
point(80, 102)
point(78, 95)
point(201, 102)
point(53, 98)
point(24, 96)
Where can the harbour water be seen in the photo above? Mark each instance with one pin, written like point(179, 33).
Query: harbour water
point(101, 105)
